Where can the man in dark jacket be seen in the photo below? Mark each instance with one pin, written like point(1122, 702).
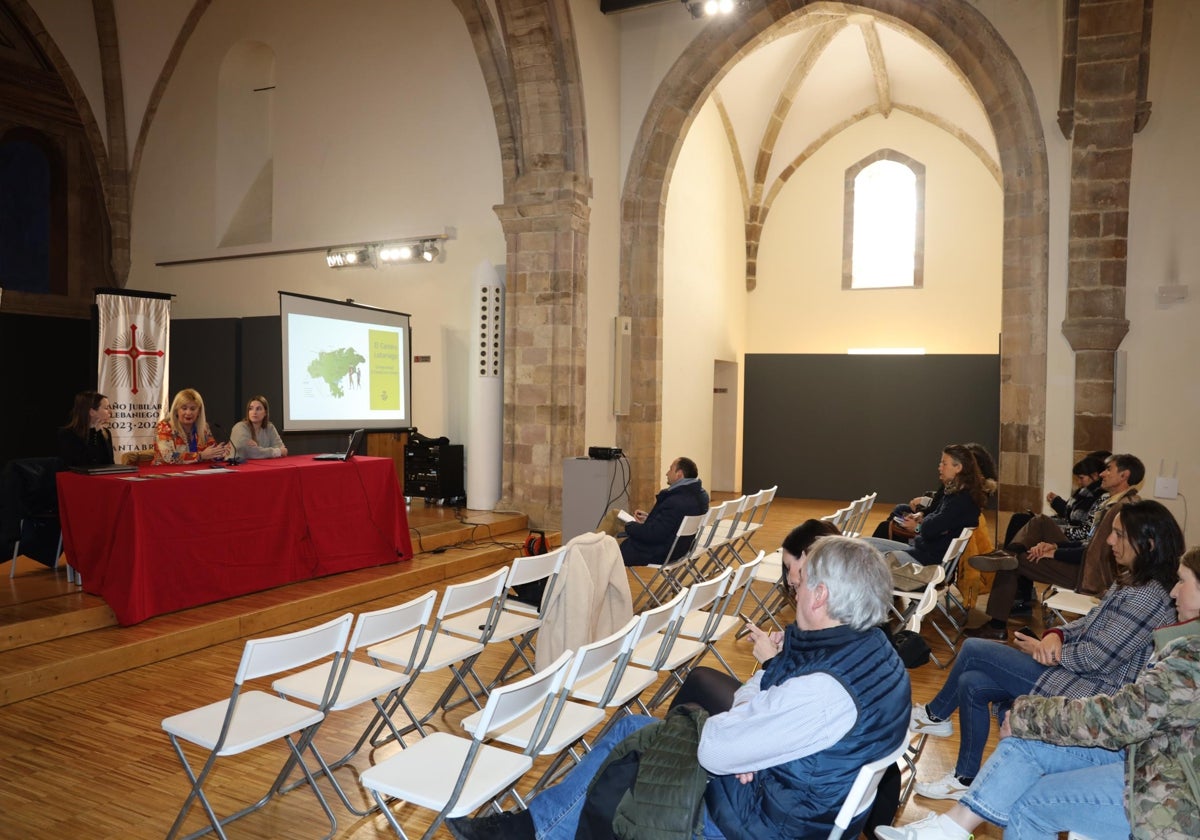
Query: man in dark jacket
point(650, 535)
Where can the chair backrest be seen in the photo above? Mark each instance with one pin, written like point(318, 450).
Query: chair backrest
point(459, 597)
point(530, 569)
point(858, 516)
point(748, 510)
point(764, 504)
point(740, 505)
point(710, 595)
point(506, 703)
point(862, 792)
point(656, 618)
point(388, 623)
point(928, 601)
point(739, 585)
point(274, 654)
point(707, 530)
point(694, 597)
point(841, 517)
point(685, 534)
point(954, 551)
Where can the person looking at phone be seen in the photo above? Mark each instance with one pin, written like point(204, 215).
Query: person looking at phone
point(183, 436)
point(1095, 654)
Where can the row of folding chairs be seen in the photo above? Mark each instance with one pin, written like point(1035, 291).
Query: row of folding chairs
point(377, 657)
point(718, 539)
point(851, 520)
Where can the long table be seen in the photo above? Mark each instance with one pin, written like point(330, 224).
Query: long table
point(171, 537)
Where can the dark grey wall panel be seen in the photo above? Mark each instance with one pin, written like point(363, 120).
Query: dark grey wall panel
point(838, 426)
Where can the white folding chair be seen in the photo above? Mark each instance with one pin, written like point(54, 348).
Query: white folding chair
point(361, 682)
point(753, 523)
point(862, 792)
point(251, 718)
point(443, 649)
point(724, 614)
point(672, 654)
point(455, 776)
point(858, 516)
point(768, 573)
point(712, 550)
point(670, 576)
point(911, 606)
point(517, 622)
point(948, 603)
point(1057, 602)
point(620, 686)
point(571, 720)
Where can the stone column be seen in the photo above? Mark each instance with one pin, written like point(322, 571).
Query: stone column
point(546, 228)
point(1108, 59)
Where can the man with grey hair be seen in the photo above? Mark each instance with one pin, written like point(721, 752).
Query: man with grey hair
point(832, 697)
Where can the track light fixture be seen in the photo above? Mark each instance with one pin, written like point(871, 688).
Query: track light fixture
point(350, 256)
point(710, 8)
point(398, 252)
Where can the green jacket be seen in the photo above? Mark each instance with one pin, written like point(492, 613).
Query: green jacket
point(667, 800)
point(1156, 720)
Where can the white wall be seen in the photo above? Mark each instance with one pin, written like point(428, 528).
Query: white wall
point(799, 305)
point(391, 136)
point(704, 288)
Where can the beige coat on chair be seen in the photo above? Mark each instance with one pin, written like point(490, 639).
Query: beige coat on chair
point(590, 599)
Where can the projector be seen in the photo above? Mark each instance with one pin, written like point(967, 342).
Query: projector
point(604, 453)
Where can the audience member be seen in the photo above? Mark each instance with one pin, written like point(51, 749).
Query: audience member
point(783, 758)
point(1108, 767)
point(184, 436)
point(1045, 555)
point(650, 535)
point(1074, 515)
point(256, 436)
point(85, 440)
point(966, 492)
point(1095, 654)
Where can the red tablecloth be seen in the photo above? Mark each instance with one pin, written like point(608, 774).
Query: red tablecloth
point(166, 543)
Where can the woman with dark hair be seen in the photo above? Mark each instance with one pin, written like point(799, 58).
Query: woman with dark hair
point(712, 689)
point(85, 440)
point(966, 492)
point(1095, 654)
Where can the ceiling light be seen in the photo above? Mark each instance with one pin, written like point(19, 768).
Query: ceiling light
point(710, 8)
point(350, 256)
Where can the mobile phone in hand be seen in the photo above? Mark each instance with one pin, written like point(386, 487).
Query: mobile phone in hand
point(745, 618)
point(1028, 631)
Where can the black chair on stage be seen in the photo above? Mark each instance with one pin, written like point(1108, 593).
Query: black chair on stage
point(29, 511)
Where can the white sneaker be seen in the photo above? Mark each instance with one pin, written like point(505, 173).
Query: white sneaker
point(930, 828)
point(947, 787)
point(920, 722)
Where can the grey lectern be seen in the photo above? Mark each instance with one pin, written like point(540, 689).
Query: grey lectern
point(590, 488)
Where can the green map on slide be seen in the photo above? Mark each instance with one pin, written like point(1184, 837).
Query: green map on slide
point(333, 365)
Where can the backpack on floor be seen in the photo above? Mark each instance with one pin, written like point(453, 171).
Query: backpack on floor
point(531, 593)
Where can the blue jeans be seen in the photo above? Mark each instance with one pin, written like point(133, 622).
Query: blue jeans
point(556, 809)
point(1034, 790)
point(984, 673)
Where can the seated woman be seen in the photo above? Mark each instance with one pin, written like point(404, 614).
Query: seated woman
point(86, 441)
point(1095, 654)
point(966, 492)
point(184, 437)
point(1107, 767)
point(256, 436)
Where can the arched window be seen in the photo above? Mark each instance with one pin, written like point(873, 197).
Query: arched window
point(31, 202)
point(884, 238)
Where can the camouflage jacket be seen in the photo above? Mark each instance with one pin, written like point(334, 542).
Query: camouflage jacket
point(1156, 720)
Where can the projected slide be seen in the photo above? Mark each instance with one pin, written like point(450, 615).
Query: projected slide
point(345, 365)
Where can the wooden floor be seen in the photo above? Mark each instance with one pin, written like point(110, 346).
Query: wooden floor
point(82, 754)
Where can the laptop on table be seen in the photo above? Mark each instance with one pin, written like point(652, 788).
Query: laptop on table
point(355, 440)
point(105, 469)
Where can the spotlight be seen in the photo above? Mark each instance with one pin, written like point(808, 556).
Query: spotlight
point(354, 256)
point(395, 252)
point(702, 8)
point(429, 250)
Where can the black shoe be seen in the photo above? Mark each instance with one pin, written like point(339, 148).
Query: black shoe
point(1021, 607)
point(994, 561)
point(510, 825)
point(987, 631)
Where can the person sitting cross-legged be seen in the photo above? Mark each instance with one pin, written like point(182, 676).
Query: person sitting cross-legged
point(1107, 767)
point(779, 763)
point(1095, 654)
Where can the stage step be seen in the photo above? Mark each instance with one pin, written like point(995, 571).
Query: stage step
point(61, 636)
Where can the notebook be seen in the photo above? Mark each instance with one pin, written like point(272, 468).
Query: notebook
point(355, 440)
point(105, 469)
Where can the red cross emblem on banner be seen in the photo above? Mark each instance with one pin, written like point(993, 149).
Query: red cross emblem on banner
point(134, 353)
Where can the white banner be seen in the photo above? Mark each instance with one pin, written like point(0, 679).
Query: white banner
point(135, 333)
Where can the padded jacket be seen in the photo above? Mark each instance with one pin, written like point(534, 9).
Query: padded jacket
point(647, 542)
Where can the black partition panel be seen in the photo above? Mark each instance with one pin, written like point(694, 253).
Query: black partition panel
point(839, 426)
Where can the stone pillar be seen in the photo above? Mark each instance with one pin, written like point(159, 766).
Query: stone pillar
point(546, 229)
point(1107, 70)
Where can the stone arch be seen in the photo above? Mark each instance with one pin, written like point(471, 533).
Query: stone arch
point(993, 71)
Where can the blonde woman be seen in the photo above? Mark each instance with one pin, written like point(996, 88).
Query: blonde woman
point(184, 436)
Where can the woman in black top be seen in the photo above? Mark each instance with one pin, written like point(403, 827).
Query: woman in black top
point(85, 441)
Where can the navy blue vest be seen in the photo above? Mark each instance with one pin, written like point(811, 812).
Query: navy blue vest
point(800, 798)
